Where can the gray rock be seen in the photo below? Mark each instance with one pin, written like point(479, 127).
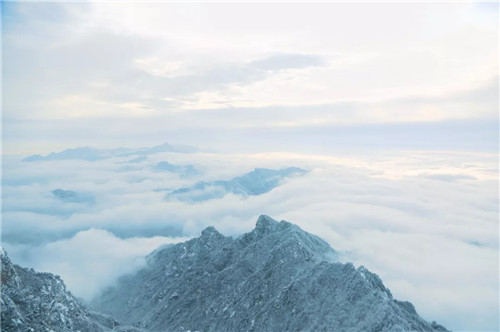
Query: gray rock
point(39, 302)
point(275, 278)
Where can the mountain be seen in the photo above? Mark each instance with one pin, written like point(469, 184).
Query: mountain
point(93, 154)
point(257, 182)
point(69, 196)
point(137, 160)
point(36, 302)
point(182, 170)
point(275, 278)
point(80, 153)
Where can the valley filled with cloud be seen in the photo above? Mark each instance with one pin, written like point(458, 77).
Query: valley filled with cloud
point(416, 219)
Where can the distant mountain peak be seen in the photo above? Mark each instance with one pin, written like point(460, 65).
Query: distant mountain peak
point(257, 182)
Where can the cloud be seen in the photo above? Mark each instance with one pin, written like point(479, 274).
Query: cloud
point(417, 257)
point(257, 182)
point(182, 170)
point(138, 160)
point(93, 154)
point(287, 61)
point(70, 196)
point(135, 78)
point(102, 258)
point(448, 177)
point(379, 210)
point(330, 94)
point(176, 58)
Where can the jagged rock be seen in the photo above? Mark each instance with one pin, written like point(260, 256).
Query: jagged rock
point(39, 302)
point(275, 278)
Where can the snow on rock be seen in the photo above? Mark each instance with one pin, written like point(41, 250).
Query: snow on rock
point(275, 278)
point(39, 302)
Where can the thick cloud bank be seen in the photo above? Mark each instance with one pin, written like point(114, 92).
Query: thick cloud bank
point(426, 222)
point(90, 260)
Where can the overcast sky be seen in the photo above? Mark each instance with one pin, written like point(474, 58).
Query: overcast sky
point(217, 75)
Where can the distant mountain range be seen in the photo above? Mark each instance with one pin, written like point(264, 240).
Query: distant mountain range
point(70, 196)
point(182, 170)
point(275, 278)
point(93, 154)
point(257, 182)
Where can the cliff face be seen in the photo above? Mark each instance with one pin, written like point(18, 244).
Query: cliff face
point(275, 278)
point(39, 302)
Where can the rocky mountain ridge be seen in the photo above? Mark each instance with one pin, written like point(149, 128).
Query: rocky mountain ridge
point(275, 278)
point(39, 302)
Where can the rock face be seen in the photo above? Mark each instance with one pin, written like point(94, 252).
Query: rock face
point(275, 278)
point(39, 302)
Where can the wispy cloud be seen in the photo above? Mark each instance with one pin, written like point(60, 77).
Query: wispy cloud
point(309, 69)
point(102, 258)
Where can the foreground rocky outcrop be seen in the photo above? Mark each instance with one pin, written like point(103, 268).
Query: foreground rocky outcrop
point(39, 302)
point(275, 278)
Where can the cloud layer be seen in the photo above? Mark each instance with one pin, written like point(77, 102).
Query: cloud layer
point(91, 260)
point(426, 222)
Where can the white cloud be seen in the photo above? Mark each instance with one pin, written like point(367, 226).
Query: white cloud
point(157, 67)
point(89, 261)
point(462, 266)
point(119, 60)
point(382, 211)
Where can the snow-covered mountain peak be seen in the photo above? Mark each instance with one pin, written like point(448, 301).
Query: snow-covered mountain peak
point(277, 277)
point(266, 224)
point(210, 233)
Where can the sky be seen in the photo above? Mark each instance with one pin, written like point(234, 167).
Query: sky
point(207, 73)
point(391, 108)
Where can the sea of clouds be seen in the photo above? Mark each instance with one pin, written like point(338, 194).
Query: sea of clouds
point(426, 222)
